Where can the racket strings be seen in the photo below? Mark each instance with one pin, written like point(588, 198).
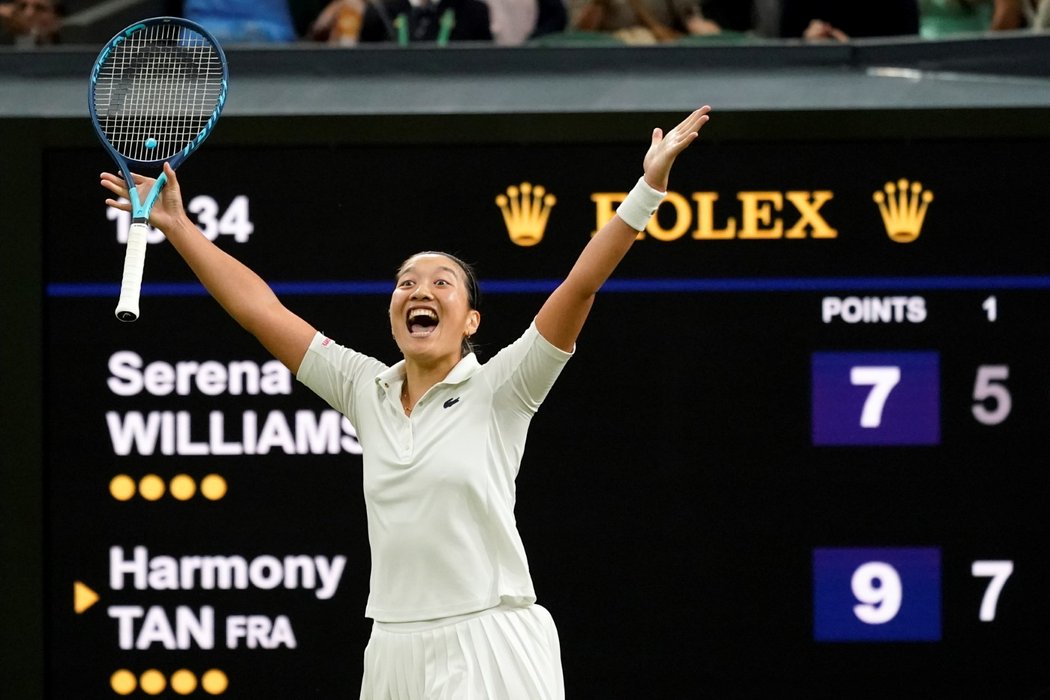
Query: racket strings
point(157, 91)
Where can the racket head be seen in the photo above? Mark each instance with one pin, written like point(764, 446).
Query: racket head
point(156, 91)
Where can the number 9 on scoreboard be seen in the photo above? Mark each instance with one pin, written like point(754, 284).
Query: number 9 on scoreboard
point(877, 594)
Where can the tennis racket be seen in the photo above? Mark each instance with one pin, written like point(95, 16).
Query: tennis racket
point(156, 91)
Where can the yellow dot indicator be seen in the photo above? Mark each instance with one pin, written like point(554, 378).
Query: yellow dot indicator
point(122, 487)
point(183, 682)
point(153, 682)
point(122, 682)
point(151, 487)
point(182, 487)
point(214, 682)
point(213, 487)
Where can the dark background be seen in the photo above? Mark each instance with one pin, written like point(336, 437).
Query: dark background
point(670, 498)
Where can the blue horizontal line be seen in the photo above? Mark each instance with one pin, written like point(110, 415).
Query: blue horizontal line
point(830, 284)
point(635, 286)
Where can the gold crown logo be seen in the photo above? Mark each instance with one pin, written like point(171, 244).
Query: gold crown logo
point(525, 211)
point(903, 208)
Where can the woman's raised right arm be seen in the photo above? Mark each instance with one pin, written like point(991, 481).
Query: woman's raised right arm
point(239, 290)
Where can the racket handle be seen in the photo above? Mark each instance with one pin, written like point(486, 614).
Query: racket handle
point(131, 284)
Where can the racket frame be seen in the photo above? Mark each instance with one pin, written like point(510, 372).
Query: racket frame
point(128, 305)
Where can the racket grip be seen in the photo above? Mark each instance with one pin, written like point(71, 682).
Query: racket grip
point(131, 283)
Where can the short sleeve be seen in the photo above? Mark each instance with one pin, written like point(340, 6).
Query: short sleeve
point(524, 372)
point(336, 373)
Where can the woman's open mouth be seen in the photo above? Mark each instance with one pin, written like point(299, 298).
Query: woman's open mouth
point(422, 322)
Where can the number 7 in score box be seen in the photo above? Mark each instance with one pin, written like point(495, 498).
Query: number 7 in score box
point(882, 594)
point(876, 398)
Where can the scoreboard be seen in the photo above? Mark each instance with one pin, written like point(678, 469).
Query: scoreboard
point(800, 445)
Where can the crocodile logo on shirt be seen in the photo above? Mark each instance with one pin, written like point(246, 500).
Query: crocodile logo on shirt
point(450, 403)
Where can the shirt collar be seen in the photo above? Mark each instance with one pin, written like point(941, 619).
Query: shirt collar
point(395, 375)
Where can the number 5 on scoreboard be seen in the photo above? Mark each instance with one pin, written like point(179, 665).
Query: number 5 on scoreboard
point(999, 572)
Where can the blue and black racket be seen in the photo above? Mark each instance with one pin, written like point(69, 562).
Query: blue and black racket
point(156, 91)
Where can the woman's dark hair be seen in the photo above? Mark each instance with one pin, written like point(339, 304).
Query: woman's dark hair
point(473, 290)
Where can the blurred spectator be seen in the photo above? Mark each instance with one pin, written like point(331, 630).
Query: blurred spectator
point(840, 20)
point(941, 18)
point(31, 22)
point(732, 15)
point(243, 21)
point(304, 14)
point(339, 22)
point(765, 18)
point(1017, 14)
point(514, 21)
point(409, 21)
point(643, 21)
point(1041, 21)
point(553, 17)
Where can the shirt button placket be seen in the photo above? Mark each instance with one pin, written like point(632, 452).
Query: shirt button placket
point(406, 440)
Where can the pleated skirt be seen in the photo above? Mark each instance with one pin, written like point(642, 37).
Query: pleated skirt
point(504, 653)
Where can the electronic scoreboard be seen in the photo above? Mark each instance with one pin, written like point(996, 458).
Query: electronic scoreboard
point(801, 446)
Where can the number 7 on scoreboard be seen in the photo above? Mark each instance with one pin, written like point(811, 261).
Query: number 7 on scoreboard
point(876, 398)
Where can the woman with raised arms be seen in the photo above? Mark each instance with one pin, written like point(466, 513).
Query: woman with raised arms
point(451, 599)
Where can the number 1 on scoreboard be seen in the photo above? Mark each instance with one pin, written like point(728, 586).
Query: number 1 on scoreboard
point(991, 308)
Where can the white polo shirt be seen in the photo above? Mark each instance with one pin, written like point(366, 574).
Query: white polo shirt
point(439, 485)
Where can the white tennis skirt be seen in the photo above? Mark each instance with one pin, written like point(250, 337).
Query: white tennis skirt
point(504, 653)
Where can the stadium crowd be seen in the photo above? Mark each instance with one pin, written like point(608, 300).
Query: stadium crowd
point(28, 23)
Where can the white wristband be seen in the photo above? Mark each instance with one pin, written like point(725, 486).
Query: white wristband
point(640, 205)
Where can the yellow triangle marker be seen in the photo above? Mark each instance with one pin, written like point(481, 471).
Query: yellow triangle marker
point(83, 597)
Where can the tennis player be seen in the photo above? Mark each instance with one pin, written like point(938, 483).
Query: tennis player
point(451, 597)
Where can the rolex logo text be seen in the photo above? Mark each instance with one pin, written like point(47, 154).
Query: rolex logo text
point(757, 215)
